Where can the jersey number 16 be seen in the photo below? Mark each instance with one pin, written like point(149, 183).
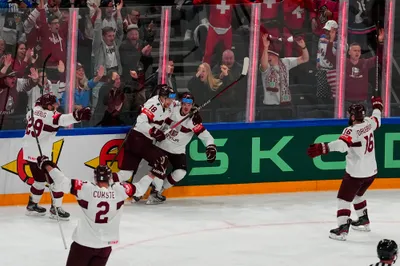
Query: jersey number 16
point(369, 146)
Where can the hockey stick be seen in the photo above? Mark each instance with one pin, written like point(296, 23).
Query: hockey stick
point(43, 69)
point(244, 73)
point(41, 154)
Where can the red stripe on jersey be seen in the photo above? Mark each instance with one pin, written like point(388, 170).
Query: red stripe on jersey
point(347, 139)
point(115, 177)
point(130, 189)
point(120, 204)
point(83, 203)
point(185, 130)
point(168, 121)
point(56, 118)
point(148, 113)
point(50, 129)
point(198, 129)
point(376, 121)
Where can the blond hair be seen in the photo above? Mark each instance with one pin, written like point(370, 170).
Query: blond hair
point(212, 82)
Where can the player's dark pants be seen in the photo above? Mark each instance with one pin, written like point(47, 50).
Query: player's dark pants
point(351, 187)
point(138, 147)
point(84, 256)
point(178, 161)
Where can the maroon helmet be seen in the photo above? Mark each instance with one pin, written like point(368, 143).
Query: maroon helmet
point(47, 99)
point(102, 173)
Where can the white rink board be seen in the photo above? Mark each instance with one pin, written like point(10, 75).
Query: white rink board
point(75, 151)
point(263, 230)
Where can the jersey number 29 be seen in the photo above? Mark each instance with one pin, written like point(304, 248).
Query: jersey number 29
point(34, 128)
point(369, 146)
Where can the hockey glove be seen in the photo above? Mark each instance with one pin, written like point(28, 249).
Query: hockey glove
point(377, 103)
point(317, 149)
point(211, 152)
point(82, 114)
point(43, 161)
point(157, 134)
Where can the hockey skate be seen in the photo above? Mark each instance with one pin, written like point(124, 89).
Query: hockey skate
point(362, 224)
point(341, 232)
point(64, 216)
point(33, 209)
point(155, 197)
point(133, 200)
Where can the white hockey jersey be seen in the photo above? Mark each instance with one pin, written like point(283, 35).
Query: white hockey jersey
point(102, 209)
point(359, 143)
point(46, 124)
point(153, 115)
point(177, 139)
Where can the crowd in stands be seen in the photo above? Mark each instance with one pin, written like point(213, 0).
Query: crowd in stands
point(118, 56)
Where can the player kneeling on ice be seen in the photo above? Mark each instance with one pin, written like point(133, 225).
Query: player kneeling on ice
point(101, 203)
point(387, 252)
point(359, 143)
point(175, 145)
point(44, 124)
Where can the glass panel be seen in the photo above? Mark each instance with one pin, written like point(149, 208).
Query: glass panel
point(208, 44)
point(119, 57)
point(390, 65)
point(363, 74)
point(28, 36)
point(296, 78)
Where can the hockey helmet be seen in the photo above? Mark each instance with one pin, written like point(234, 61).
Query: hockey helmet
point(166, 91)
point(102, 173)
point(47, 99)
point(358, 110)
point(187, 97)
point(387, 249)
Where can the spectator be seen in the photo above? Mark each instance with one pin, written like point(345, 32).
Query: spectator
point(23, 60)
point(10, 86)
point(357, 69)
point(326, 72)
point(147, 33)
point(235, 98)
point(113, 100)
point(44, 86)
point(322, 11)
point(106, 43)
point(83, 87)
point(2, 50)
point(275, 73)
point(53, 37)
point(109, 19)
point(204, 85)
point(134, 53)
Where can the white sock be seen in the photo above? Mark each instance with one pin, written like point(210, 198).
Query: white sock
point(142, 185)
point(158, 183)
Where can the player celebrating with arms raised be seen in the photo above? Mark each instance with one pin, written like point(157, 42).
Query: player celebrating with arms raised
point(44, 124)
point(101, 204)
point(361, 169)
point(176, 142)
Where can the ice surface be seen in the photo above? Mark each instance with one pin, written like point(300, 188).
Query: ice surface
point(275, 229)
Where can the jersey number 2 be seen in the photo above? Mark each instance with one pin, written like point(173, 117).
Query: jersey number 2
point(369, 143)
point(104, 209)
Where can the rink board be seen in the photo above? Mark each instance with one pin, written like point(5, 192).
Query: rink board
point(264, 157)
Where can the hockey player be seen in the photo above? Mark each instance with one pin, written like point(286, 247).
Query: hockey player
point(387, 252)
point(44, 124)
point(139, 144)
point(101, 204)
point(358, 141)
point(175, 145)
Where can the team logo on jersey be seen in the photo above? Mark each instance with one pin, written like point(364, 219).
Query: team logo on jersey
point(21, 168)
point(107, 154)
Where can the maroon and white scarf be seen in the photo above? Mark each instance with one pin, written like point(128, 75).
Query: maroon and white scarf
point(281, 76)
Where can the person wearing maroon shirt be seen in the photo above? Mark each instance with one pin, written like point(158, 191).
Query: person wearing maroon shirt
point(356, 83)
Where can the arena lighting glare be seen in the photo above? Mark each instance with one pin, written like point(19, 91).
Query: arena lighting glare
point(253, 53)
point(341, 58)
point(164, 44)
point(387, 56)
